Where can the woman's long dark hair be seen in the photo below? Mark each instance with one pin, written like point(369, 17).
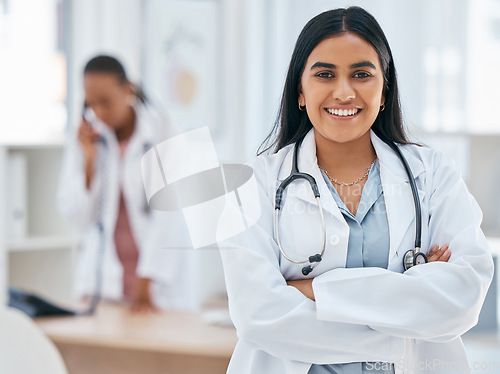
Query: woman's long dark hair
point(292, 124)
point(110, 65)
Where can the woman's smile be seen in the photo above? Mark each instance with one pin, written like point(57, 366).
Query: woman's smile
point(343, 113)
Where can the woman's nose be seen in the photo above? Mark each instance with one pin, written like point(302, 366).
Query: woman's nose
point(343, 90)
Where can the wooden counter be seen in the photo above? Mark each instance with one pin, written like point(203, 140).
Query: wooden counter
point(116, 341)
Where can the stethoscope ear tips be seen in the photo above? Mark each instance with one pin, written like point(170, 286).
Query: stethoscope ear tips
point(306, 270)
point(315, 258)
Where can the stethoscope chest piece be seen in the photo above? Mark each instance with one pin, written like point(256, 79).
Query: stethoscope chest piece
point(412, 258)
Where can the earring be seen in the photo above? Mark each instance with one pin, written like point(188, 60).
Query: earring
point(302, 108)
point(382, 107)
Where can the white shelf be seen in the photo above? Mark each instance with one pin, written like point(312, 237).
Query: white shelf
point(56, 144)
point(41, 243)
point(55, 141)
point(40, 258)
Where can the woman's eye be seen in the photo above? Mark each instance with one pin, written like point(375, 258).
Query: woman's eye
point(325, 74)
point(361, 75)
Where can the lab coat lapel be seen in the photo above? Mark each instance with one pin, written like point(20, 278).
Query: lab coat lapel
point(142, 139)
point(397, 193)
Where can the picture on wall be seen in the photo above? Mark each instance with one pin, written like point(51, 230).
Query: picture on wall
point(180, 60)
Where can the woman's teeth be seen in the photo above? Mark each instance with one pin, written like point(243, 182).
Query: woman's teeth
point(343, 112)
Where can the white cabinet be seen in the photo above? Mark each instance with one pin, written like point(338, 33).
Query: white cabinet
point(36, 246)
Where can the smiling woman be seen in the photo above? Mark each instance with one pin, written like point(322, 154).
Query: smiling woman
point(343, 98)
point(356, 305)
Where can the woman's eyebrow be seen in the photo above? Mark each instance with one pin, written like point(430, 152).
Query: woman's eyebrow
point(323, 65)
point(363, 64)
point(327, 65)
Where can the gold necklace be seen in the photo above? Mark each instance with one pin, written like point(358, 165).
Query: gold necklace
point(333, 180)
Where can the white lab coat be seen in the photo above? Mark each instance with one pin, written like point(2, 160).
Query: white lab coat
point(413, 319)
point(160, 236)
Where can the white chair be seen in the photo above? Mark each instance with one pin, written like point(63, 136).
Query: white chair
point(24, 349)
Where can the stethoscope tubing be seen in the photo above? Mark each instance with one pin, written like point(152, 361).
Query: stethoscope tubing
point(294, 175)
point(416, 199)
point(276, 232)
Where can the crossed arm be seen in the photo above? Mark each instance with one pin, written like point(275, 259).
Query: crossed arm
point(305, 285)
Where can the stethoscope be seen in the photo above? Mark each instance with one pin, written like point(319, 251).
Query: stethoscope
point(411, 258)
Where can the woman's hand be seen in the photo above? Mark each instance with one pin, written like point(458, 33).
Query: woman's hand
point(439, 254)
point(142, 301)
point(87, 136)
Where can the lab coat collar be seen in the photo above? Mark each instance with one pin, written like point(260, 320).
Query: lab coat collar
point(395, 184)
point(391, 162)
point(144, 132)
point(308, 163)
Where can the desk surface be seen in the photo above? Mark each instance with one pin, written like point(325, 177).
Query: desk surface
point(114, 326)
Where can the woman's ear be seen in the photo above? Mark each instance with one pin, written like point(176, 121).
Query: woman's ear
point(130, 88)
point(130, 94)
point(302, 100)
point(382, 99)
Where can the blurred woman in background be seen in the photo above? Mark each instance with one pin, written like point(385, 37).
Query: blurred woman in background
point(101, 190)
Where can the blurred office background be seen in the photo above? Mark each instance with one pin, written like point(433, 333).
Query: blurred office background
point(221, 64)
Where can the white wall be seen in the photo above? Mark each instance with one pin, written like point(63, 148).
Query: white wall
point(233, 103)
point(31, 72)
point(102, 27)
point(485, 179)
